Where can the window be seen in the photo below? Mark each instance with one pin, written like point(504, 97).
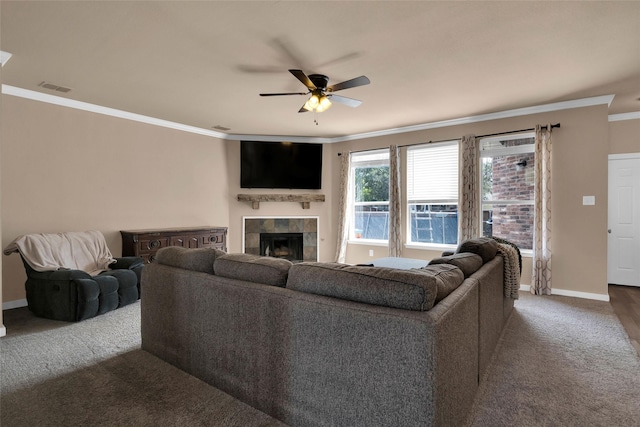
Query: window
point(370, 181)
point(507, 188)
point(432, 193)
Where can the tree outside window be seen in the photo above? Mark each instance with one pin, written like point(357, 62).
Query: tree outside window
point(370, 178)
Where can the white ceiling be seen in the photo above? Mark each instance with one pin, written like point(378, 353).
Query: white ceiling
point(203, 64)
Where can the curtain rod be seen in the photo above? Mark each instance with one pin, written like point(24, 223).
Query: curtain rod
point(557, 125)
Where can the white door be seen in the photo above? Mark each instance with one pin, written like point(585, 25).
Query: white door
point(623, 264)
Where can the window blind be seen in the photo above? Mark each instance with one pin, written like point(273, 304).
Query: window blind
point(432, 173)
point(371, 158)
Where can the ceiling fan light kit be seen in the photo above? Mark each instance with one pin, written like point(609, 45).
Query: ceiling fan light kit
point(320, 93)
point(318, 102)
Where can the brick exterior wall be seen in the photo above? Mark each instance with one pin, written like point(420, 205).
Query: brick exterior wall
point(512, 182)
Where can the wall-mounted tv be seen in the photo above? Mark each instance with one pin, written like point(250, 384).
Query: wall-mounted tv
point(288, 165)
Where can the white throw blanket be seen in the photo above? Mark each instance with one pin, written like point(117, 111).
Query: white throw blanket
point(511, 270)
point(75, 250)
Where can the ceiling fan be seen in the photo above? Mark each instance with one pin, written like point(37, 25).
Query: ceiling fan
point(321, 94)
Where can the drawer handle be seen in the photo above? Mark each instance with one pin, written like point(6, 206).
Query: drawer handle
point(153, 244)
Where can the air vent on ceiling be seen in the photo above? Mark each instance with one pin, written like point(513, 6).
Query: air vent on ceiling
point(222, 128)
point(51, 86)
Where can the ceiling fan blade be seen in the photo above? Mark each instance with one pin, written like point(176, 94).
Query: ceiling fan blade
point(300, 75)
point(292, 55)
point(302, 109)
point(283, 94)
point(347, 57)
point(358, 81)
point(259, 69)
point(350, 102)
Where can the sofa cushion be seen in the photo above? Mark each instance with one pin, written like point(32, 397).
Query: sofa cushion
point(190, 259)
point(389, 287)
point(253, 268)
point(468, 262)
point(486, 247)
point(448, 278)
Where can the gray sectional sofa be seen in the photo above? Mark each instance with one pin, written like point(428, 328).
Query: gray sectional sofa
point(325, 344)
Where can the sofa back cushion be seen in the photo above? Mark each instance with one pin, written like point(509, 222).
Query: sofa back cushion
point(486, 247)
point(201, 259)
point(468, 262)
point(253, 268)
point(406, 289)
point(448, 278)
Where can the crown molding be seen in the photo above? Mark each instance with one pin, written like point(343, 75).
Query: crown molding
point(93, 108)
point(279, 138)
point(556, 106)
point(624, 116)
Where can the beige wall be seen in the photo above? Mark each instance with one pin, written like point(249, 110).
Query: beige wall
point(624, 137)
point(579, 168)
point(323, 210)
point(65, 169)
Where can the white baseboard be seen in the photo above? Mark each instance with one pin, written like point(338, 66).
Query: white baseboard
point(3, 331)
point(14, 304)
point(574, 294)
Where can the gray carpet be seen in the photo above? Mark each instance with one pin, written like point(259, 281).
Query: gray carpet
point(561, 362)
point(93, 373)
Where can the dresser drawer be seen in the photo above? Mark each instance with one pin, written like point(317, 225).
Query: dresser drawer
point(185, 241)
point(151, 243)
point(211, 240)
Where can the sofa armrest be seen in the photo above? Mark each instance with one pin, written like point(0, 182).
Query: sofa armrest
point(57, 275)
point(68, 295)
point(127, 263)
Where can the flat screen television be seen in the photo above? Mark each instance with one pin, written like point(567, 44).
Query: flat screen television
point(288, 165)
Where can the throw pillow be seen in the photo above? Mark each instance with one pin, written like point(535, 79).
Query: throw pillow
point(468, 262)
point(486, 247)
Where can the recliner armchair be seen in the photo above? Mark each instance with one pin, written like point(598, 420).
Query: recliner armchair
point(60, 289)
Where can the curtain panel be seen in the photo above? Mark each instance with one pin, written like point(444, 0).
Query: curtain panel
point(541, 281)
point(344, 216)
point(469, 190)
point(395, 203)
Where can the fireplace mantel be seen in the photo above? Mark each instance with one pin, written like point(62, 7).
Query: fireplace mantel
point(305, 199)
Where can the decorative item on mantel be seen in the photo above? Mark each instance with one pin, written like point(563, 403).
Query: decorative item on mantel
point(305, 199)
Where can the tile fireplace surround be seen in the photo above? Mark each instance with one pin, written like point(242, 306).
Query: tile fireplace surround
point(307, 225)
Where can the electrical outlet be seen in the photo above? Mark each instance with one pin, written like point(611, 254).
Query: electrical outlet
point(370, 252)
point(588, 200)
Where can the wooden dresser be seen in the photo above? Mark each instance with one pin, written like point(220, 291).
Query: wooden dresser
point(145, 243)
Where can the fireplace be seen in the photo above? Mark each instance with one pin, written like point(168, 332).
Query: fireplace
point(292, 238)
point(282, 245)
